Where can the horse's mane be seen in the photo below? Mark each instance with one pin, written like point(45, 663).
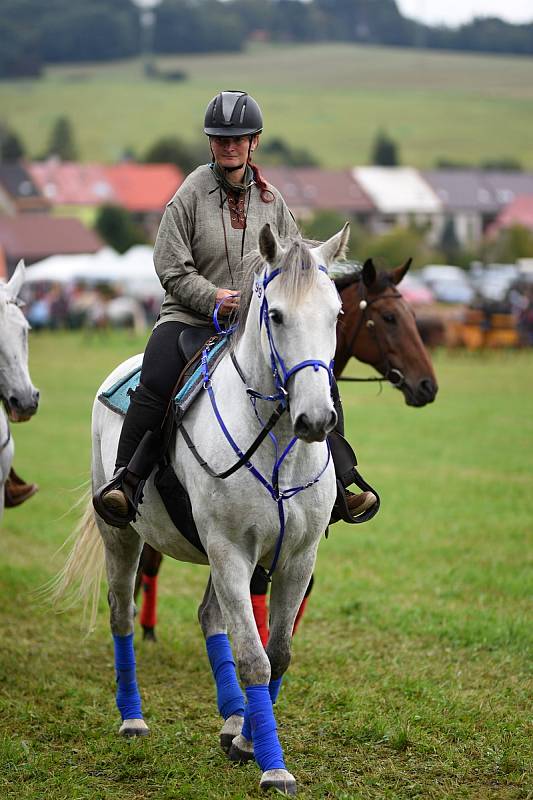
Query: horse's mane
point(297, 275)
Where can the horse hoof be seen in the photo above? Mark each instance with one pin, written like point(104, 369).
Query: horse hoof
point(149, 634)
point(278, 779)
point(134, 727)
point(231, 728)
point(241, 750)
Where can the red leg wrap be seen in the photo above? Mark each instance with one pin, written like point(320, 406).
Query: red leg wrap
point(299, 615)
point(148, 615)
point(259, 605)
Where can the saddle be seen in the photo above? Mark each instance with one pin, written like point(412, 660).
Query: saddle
point(191, 344)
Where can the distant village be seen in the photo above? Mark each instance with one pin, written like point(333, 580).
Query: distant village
point(49, 208)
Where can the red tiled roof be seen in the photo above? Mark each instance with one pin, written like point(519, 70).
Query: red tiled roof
point(319, 189)
point(36, 236)
point(518, 212)
point(144, 187)
point(335, 190)
point(137, 187)
point(70, 183)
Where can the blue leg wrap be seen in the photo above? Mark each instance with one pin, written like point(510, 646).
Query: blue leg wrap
point(128, 697)
point(273, 689)
point(267, 749)
point(230, 699)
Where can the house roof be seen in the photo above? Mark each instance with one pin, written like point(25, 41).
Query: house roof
point(518, 212)
point(70, 183)
point(286, 182)
point(397, 190)
point(335, 190)
point(17, 181)
point(508, 185)
point(316, 189)
point(144, 187)
point(462, 189)
point(35, 236)
point(137, 187)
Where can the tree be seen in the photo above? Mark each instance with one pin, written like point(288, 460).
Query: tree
point(172, 150)
point(19, 54)
point(62, 142)
point(186, 26)
point(326, 223)
point(503, 164)
point(277, 152)
point(512, 243)
point(449, 243)
point(11, 147)
point(117, 228)
point(384, 151)
point(399, 244)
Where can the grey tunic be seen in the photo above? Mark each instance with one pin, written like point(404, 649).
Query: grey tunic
point(190, 255)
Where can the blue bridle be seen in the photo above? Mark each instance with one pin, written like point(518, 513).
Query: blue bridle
point(281, 376)
point(280, 373)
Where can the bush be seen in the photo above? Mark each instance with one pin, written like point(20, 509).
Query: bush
point(384, 151)
point(173, 150)
point(117, 228)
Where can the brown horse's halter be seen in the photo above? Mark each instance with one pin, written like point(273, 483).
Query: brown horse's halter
point(392, 375)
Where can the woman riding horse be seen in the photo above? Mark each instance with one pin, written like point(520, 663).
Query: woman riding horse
point(211, 223)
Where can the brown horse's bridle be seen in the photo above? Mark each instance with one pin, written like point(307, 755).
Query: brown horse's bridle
point(392, 375)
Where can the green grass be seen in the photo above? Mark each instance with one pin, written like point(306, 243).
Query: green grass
point(411, 675)
point(328, 98)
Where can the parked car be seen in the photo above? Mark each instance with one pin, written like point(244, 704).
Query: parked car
point(415, 291)
point(449, 284)
point(493, 281)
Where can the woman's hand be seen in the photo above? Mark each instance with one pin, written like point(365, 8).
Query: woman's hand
point(230, 300)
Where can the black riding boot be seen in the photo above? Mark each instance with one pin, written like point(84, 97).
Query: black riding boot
point(139, 449)
point(350, 507)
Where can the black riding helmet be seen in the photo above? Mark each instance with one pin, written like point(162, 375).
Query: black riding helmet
point(233, 113)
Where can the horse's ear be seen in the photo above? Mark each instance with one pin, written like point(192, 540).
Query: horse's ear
point(14, 284)
point(368, 272)
point(268, 246)
point(335, 247)
point(396, 275)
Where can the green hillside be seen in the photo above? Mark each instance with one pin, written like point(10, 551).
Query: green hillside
point(330, 99)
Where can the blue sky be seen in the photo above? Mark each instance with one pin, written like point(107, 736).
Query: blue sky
point(455, 12)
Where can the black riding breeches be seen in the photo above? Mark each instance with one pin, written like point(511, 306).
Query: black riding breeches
point(163, 362)
point(161, 368)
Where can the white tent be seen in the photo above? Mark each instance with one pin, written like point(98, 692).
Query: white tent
point(133, 273)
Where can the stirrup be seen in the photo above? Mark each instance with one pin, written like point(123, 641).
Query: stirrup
point(345, 461)
point(133, 496)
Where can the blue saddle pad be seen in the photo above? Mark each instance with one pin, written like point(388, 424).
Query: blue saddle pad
point(117, 397)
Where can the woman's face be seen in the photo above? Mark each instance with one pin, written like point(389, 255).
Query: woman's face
point(232, 151)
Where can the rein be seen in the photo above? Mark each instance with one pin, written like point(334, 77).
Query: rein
point(5, 444)
point(392, 375)
point(281, 376)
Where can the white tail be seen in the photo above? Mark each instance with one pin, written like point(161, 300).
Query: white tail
point(81, 576)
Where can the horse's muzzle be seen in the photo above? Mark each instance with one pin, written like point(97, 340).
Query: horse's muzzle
point(423, 393)
point(20, 410)
point(314, 430)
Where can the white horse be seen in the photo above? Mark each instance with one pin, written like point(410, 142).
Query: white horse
point(17, 393)
point(272, 513)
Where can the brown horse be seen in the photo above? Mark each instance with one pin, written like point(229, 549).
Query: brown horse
point(378, 328)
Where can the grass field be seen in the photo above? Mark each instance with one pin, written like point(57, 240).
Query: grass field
point(328, 98)
point(411, 675)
